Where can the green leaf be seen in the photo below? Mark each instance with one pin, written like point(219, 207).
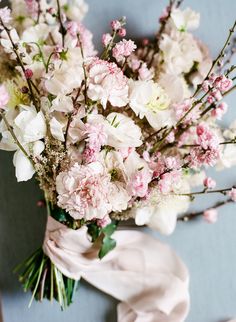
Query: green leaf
point(93, 231)
point(59, 214)
point(108, 244)
point(109, 229)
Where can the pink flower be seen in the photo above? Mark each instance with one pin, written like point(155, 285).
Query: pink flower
point(32, 7)
point(107, 83)
point(116, 25)
point(72, 28)
point(138, 183)
point(125, 152)
point(5, 15)
point(96, 135)
point(209, 183)
point(134, 63)
point(232, 194)
point(89, 155)
point(219, 111)
point(28, 73)
point(83, 191)
point(4, 97)
point(182, 108)
point(106, 39)
point(122, 32)
point(123, 49)
point(199, 157)
point(144, 72)
point(104, 221)
point(206, 138)
point(210, 215)
point(223, 83)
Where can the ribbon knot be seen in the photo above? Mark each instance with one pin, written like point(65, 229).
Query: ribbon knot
point(145, 275)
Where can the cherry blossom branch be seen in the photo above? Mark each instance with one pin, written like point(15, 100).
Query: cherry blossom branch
point(191, 194)
point(221, 54)
point(194, 215)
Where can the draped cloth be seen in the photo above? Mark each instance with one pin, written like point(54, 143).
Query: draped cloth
point(145, 275)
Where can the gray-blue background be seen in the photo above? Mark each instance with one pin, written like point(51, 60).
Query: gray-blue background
point(208, 250)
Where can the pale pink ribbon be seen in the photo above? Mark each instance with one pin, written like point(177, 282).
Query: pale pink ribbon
point(145, 275)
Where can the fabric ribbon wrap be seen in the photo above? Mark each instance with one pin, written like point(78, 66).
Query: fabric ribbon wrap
point(145, 275)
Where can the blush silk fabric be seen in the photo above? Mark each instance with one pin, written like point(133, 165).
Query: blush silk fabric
point(146, 276)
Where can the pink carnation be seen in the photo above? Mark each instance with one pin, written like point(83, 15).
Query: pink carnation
point(96, 135)
point(123, 49)
point(210, 215)
point(107, 83)
point(83, 191)
point(4, 96)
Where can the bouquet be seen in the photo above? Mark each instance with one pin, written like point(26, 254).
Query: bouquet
point(126, 134)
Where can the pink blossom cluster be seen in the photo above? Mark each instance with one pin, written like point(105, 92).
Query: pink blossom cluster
point(216, 85)
point(183, 109)
point(123, 49)
point(207, 151)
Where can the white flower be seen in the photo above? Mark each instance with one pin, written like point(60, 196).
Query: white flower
point(160, 211)
point(180, 52)
point(56, 128)
point(67, 75)
point(175, 87)
point(62, 103)
point(64, 79)
point(75, 9)
point(24, 169)
point(37, 34)
point(150, 100)
point(185, 19)
point(30, 125)
point(121, 131)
